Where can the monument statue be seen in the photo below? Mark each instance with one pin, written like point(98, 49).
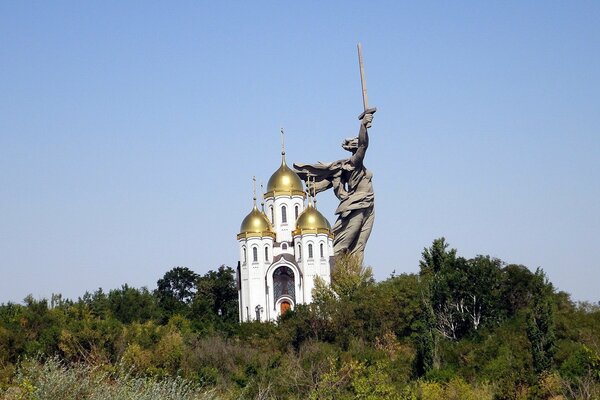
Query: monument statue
point(351, 183)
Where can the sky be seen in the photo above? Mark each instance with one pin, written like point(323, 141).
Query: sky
point(130, 132)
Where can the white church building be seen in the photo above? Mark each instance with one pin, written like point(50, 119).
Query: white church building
point(283, 247)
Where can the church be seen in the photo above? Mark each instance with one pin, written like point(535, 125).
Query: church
point(283, 247)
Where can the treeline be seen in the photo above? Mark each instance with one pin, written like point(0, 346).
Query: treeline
point(459, 329)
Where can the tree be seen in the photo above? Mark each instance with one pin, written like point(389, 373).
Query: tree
point(176, 289)
point(349, 276)
point(464, 294)
point(436, 257)
point(342, 306)
point(425, 342)
point(216, 296)
point(540, 324)
point(130, 304)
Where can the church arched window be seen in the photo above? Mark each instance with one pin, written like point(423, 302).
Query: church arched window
point(272, 215)
point(284, 246)
point(296, 211)
point(310, 250)
point(299, 252)
point(283, 215)
point(284, 283)
point(244, 254)
point(321, 250)
point(266, 253)
point(255, 254)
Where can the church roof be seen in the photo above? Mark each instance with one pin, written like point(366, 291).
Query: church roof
point(255, 224)
point(284, 181)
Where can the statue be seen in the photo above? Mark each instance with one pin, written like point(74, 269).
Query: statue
point(351, 183)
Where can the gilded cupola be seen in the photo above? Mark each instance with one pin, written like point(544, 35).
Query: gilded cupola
point(255, 224)
point(312, 221)
point(284, 180)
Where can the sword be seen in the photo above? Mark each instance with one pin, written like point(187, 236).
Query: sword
point(363, 83)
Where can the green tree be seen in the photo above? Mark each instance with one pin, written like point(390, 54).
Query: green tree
point(464, 294)
point(540, 325)
point(216, 297)
point(517, 288)
point(129, 304)
point(349, 276)
point(436, 257)
point(176, 289)
point(342, 306)
point(425, 342)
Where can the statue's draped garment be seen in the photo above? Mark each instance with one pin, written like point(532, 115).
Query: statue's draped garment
point(351, 183)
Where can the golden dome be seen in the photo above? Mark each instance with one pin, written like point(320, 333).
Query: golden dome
point(284, 181)
point(255, 224)
point(312, 221)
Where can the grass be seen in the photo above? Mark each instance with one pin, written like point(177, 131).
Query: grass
point(53, 380)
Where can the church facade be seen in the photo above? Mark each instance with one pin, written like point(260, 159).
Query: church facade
point(283, 248)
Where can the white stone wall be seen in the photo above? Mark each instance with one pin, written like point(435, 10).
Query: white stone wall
point(283, 248)
point(316, 265)
point(252, 275)
point(273, 205)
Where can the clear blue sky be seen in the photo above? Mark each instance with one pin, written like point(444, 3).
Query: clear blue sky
point(129, 133)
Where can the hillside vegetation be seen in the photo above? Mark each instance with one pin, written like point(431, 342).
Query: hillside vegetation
point(459, 329)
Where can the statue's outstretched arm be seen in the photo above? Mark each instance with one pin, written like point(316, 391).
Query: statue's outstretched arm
point(320, 186)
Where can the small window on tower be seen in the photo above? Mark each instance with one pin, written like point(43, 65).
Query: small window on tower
point(244, 254)
point(283, 215)
point(255, 254)
point(321, 250)
point(284, 246)
point(272, 215)
point(296, 210)
point(266, 254)
point(310, 251)
point(299, 252)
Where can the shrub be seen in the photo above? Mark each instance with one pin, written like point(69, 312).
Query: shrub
point(53, 380)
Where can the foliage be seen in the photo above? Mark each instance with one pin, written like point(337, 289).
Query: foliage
point(460, 329)
point(216, 298)
point(52, 380)
point(176, 289)
point(540, 325)
point(437, 257)
point(350, 276)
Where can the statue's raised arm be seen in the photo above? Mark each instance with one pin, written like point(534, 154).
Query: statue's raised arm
point(360, 144)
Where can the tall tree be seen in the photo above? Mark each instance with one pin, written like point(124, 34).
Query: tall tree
point(176, 289)
point(350, 276)
point(425, 341)
point(517, 288)
point(436, 257)
point(464, 294)
point(540, 324)
point(216, 295)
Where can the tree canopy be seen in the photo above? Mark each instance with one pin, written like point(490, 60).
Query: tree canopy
point(461, 328)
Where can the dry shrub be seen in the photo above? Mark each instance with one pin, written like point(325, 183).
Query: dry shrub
point(456, 389)
point(53, 380)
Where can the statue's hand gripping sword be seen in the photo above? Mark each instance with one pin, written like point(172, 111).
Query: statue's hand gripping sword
point(363, 82)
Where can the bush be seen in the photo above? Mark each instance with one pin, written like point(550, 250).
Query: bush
point(53, 380)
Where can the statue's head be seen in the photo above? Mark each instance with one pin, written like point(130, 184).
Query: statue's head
point(350, 144)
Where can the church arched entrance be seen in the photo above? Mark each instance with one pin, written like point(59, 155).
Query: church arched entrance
point(284, 307)
point(284, 288)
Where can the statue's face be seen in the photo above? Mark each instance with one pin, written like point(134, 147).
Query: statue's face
point(350, 144)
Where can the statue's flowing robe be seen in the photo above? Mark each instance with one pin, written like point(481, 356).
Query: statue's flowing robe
point(355, 211)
